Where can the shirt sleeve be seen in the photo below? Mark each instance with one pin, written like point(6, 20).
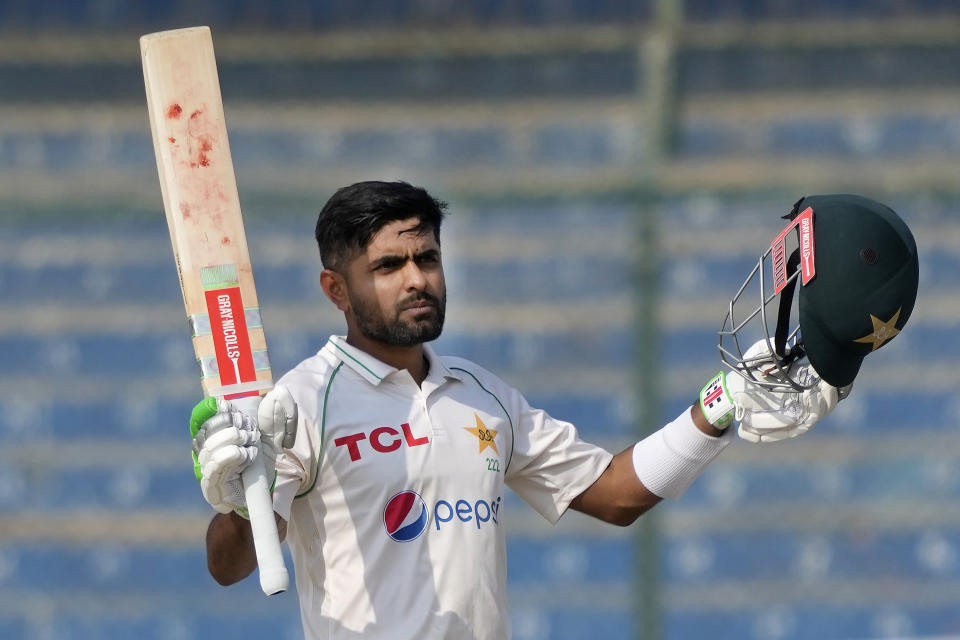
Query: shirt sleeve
point(287, 485)
point(550, 465)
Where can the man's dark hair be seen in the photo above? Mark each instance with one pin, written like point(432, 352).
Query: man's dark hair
point(353, 214)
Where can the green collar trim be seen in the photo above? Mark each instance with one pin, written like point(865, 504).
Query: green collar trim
point(356, 360)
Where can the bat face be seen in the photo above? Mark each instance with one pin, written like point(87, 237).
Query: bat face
point(203, 211)
point(206, 230)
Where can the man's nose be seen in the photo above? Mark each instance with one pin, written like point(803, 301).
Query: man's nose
point(414, 278)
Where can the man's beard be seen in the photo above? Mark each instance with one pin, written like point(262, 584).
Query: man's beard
point(399, 333)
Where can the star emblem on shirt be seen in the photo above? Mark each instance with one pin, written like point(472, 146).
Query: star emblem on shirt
point(882, 331)
point(485, 437)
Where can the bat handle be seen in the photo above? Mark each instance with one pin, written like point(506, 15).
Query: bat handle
point(273, 571)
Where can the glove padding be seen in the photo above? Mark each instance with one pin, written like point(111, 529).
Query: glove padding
point(225, 443)
point(766, 415)
point(277, 420)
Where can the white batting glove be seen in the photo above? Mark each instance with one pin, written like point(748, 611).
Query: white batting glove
point(769, 416)
point(766, 415)
point(277, 420)
point(225, 443)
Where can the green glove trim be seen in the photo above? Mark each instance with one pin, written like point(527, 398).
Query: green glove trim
point(715, 402)
point(202, 411)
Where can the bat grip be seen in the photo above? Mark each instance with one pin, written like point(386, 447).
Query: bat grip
point(266, 540)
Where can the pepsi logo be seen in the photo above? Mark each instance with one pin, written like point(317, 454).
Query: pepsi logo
point(405, 516)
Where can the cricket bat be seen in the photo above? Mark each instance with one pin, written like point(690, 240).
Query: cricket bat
point(210, 248)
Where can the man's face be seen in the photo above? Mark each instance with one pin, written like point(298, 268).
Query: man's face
point(396, 288)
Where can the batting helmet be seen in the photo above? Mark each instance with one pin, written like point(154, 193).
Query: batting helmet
point(855, 261)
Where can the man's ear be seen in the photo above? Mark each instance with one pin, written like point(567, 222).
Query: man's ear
point(335, 288)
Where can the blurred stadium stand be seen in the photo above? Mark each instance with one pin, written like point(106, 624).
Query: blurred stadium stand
point(614, 168)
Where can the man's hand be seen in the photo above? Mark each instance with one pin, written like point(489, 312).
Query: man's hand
point(768, 416)
point(225, 443)
point(277, 419)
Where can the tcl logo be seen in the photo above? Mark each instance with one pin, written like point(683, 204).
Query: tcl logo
point(382, 440)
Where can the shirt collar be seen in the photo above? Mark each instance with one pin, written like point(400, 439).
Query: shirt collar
point(437, 366)
point(374, 371)
point(362, 362)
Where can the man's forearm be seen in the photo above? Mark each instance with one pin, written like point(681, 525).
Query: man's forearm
point(701, 422)
point(231, 556)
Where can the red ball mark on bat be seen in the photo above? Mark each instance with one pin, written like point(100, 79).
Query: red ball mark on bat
point(225, 241)
point(172, 139)
point(205, 146)
point(185, 210)
point(174, 111)
point(203, 133)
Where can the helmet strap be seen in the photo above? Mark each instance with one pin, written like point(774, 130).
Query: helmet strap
point(783, 313)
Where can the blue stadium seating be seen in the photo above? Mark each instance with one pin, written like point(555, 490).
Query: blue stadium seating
point(15, 628)
point(531, 280)
point(839, 135)
point(700, 211)
point(569, 559)
point(314, 15)
point(143, 356)
point(159, 419)
point(329, 14)
point(119, 488)
point(120, 418)
point(199, 606)
point(708, 71)
point(562, 145)
point(559, 144)
point(722, 275)
point(866, 481)
point(569, 145)
point(596, 74)
point(572, 622)
point(157, 627)
point(848, 555)
point(110, 567)
point(532, 623)
point(706, 11)
point(826, 620)
point(177, 620)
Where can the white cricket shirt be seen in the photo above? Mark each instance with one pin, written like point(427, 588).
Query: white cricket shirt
point(394, 493)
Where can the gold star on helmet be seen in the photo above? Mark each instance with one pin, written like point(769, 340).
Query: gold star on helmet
point(882, 331)
point(485, 437)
